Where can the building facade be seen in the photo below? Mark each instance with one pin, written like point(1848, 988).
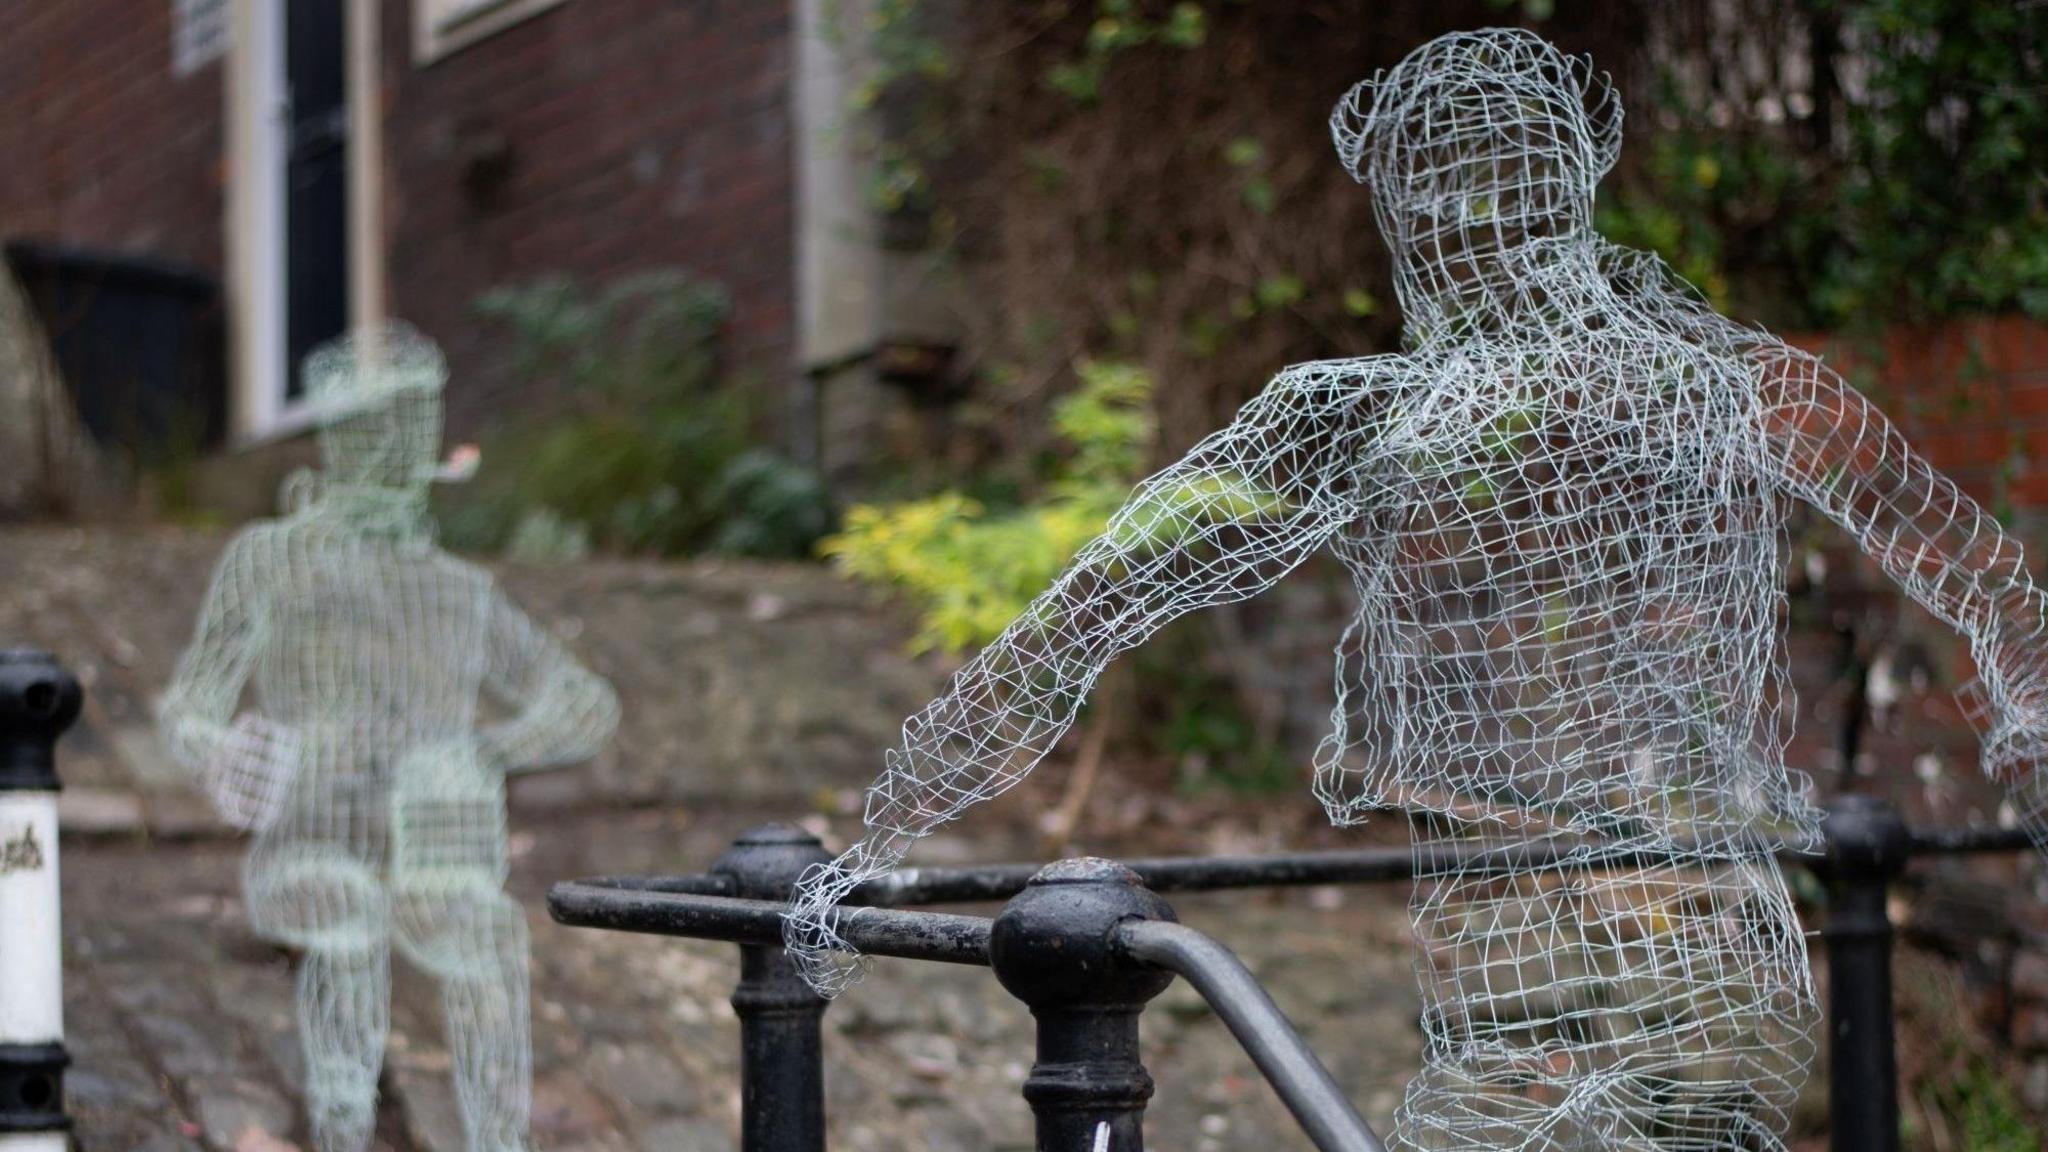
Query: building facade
point(333, 162)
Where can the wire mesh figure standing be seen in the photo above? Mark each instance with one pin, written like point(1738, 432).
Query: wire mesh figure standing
point(1560, 506)
point(376, 796)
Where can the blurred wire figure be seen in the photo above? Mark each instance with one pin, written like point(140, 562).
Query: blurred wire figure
point(1560, 509)
point(376, 797)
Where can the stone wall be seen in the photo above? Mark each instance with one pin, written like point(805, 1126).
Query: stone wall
point(48, 465)
point(741, 682)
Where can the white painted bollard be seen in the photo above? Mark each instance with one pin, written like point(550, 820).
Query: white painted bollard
point(38, 701)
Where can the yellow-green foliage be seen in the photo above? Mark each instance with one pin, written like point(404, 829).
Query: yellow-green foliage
point(970, 571)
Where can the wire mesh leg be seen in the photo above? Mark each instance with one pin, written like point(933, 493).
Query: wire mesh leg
point(488, 1037)
point(344, 1002)
point(1661, 1007)
point(475, 943)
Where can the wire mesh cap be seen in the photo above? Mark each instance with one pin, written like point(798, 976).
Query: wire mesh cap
point(371, 366)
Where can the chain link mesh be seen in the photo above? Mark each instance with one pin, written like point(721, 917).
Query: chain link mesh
point(1560, 506)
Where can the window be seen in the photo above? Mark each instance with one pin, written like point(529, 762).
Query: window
point(442, 26)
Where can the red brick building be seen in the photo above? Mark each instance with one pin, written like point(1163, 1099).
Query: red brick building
point(334, 161)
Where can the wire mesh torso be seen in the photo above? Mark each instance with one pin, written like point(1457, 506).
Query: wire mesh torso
point(1568, 575)
point(1568, 581)
point(381, 646)
point(385, 638)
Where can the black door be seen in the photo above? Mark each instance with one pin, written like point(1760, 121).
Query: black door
point(316, 181)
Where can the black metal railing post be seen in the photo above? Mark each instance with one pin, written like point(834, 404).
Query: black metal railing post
point(782, 1059)
point(1868, 846)
point(1054, 947)
point(1087, 943)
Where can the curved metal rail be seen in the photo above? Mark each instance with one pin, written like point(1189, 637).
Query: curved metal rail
point(681, 908)
point(1265, 1033)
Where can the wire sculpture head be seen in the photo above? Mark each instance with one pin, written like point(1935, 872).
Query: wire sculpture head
point(1474, 145)
point(377, 397)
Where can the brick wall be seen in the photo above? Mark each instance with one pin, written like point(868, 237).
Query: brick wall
point(1972, 395)
point(100, 144)
point(624, 135)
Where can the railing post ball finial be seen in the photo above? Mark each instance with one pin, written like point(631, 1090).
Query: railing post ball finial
point(38, 701)
point(782, 1058)
point(764, 862)
point(1054, 948)
point(1866, 837)
point(1868, 846)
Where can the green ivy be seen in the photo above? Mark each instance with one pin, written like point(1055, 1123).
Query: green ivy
point(1931, 202)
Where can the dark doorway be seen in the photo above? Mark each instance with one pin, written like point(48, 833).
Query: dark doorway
point(316, 181)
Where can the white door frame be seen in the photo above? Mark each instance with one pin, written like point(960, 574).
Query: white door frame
point(259, 127)
point(258, 119)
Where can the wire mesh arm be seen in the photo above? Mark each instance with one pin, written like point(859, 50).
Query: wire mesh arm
point(1243, 508)
point(1836, 450)
point(564, 713)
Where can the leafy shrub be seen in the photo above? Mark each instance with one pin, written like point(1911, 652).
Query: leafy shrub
point(971, 570)
point(1201, 724)
point(1894, 177)
point(645, 452)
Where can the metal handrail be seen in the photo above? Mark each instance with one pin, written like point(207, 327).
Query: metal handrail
point(985, 883)
point(936, 936)
point(971, 884)
point(1276, 1048)
point(1867, 848)
point(1265, 1033)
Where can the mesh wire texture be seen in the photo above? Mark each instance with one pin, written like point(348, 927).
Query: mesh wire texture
point(372, 782)
point(1561, 508)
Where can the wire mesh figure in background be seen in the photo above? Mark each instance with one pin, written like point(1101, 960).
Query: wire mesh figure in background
point(1559, 505)
point(376, 795)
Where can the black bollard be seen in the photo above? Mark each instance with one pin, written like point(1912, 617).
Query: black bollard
point(782, 1059)
point(1054, 948)
point(1867, 848)
point(38, 701)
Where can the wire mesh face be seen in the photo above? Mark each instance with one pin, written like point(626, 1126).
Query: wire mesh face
point(1561, 512)
point(1473, 145)
point(367, 767)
